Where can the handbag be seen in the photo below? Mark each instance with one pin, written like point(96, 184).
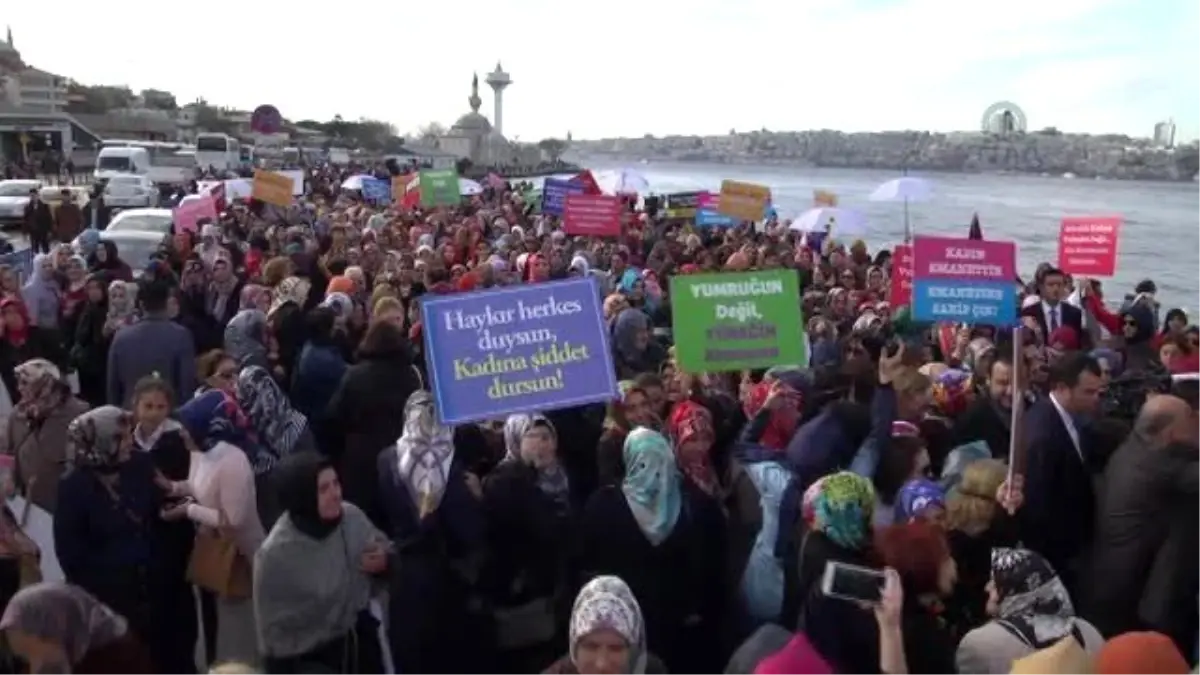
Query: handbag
point(216, 565)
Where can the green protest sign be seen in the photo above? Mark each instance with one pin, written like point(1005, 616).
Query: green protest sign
point(439, 188)
point(737, 321)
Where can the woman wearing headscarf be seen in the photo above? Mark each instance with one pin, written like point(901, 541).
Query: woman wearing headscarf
point(633, 350)
point(435, 517)
point(60, 628)
point(104, 526)
point(89, 353)
point(606, 633)
point(633, 409)
point(246, 339)
point(42, 294)
point(1031, 611)
point(223, 294)
point(837, 514)
point(671, 555)
point(313, 576)
point(278, 427)
point(122, 306)
point(318, 374)
point(254, 296)
point(36, 433)
point(74, 298)
point(760, 485)
point(286, 319)
point(106, 259)
point(221, 484)
point(368, 406)
point(528, 501)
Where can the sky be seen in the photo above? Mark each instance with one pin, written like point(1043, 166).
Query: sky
point(635, 67)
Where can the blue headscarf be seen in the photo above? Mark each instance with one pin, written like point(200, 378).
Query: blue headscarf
point(652, 483)
point(213, 417)
point(915, 497)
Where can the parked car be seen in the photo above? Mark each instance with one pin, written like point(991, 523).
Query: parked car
point(160, 221)
point(14, 197)
point(135, 247)
point(130, 191)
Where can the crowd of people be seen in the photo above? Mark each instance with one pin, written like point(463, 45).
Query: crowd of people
point(246, 470)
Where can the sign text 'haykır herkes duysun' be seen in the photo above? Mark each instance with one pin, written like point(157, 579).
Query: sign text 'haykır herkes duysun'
point(737, 321)
point(517, 349)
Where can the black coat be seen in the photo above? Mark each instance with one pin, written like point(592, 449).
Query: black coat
point(981, 421)
point(1145, 490)
point(368, 408)
point(1068, 315)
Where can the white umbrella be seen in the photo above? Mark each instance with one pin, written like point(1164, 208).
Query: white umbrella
point(839, 221)
point(622, 182)
point(468, 187)
point(907, 188)
point(355, 182)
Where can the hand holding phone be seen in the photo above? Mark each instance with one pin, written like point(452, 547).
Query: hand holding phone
point(852, 582)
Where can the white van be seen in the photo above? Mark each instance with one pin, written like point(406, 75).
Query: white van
point(113, 161)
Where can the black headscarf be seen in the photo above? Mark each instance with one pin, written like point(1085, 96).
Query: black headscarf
point(296, 481)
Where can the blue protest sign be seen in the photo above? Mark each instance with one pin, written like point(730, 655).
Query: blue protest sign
point(710, 218)
point(376, 190)
point(957, 301)
point(554, 195)
point(536, 347)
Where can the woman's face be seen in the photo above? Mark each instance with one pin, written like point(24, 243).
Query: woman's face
point(638, 410)
point(102, 253)
point(1176, 324)
point(541, 269)
point(95, 292)
point(46, 267)
point(1168, 354)
point(875, 279)
point(656, 397)
point(848, 279)
point(224, 377)
point(116, 293)
point(75, 271)
point(637, 291)
point(13, 321)
point(329, 495)
point(222, 270)
point(152, 408)
point(537, 447)
point(602, 652)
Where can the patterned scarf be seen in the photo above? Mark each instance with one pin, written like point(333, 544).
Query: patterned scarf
point(425, 451)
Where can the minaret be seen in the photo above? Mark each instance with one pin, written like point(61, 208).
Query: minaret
point(9, 38)
point(473, 100)
point(498, 80)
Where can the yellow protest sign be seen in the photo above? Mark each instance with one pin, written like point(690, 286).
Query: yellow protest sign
point(824, 198)
point(744, 201)
point(400, 186)
point(272, 188)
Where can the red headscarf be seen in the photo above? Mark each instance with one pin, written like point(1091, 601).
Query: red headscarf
point(688, 420)
point(531, 263)
point(16, 337)
point(779, 429)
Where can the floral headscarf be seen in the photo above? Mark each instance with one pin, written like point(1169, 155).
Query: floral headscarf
point(425, 451)
point(245, 338)
point(66, 615)
point(42, 387)
point(1033, 602)
point(291, 289)
point(952, 392)
point(840, 506)
point(776, 435)
point(276, 423)
point(917, 496)
point(95, 438)
point(688, 420)
point(214, 417)
point(606, 602)
point(122, 301)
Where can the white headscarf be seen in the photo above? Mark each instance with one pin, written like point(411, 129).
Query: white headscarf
point(425, 451)
point(607, 602)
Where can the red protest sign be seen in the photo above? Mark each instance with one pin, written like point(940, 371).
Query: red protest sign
point(902, 276)
point(592, 215)
point(1087, 245)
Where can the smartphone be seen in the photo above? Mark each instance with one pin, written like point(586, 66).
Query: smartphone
point(851, 582)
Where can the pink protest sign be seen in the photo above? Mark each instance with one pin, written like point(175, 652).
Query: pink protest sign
point(191, 210)
point(1087, 245)
point(965, 260)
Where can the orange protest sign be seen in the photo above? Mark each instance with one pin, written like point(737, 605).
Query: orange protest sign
point(744, 201)
point(824, 198)
point(272, 188)
point(400, 186)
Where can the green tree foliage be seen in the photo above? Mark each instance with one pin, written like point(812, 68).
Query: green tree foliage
point(553, 147)
point(97, 100)
point(159, 99)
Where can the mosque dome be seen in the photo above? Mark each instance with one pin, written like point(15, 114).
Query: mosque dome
point(473, 122)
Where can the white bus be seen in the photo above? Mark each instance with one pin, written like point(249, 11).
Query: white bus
point(220, 151)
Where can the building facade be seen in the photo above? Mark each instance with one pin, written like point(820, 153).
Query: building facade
point(28, 88)
point(1164, 134)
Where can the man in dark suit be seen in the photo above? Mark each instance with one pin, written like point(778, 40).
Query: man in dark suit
point(1151, 483)
point(1058, 516)
point(1051, 312)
